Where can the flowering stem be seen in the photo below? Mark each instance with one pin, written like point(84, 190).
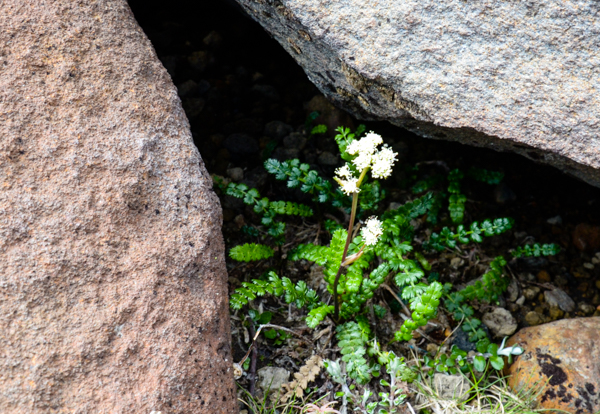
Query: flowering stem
point(336, 302)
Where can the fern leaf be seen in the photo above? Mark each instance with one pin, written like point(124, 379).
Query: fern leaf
point(251, 252)
point(352, 339)
point(317, 315)
point(310, 252)
point(249, 291)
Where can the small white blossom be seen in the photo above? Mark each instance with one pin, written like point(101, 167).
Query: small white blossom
point(349, 186)
point(367, 155)
point(383, 161)
point(365, 145)
point(363, 160)
point(371, 231)
point(346, 180)
point(511, 350)
point(344, 172)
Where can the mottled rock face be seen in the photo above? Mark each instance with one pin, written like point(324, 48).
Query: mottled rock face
point(112, 281)
point(563, 356)
point(519, 76)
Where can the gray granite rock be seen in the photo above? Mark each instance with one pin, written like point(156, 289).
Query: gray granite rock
point(519, 76)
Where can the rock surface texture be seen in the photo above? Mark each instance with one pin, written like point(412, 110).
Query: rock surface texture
point(519, 76)
point(564, 355)
point(113, 291)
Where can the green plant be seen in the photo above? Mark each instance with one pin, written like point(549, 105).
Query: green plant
point(536, 250)
point(268, 209)
point(450, 239)
point(355, 264)
point(385, 402)
point(300, 175)
point(250, 252)
point(456, 199)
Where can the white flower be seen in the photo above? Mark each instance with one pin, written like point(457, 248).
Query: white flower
point(344, 172)
point(365, 145)
point(363, 160)
point(349, 186)
point(367, 155)
point(346, 180)
point(371, 231)
point(383, 161)
point(511, 350)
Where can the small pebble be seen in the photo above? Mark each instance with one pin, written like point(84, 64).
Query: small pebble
point(556, 313)
point(327, 158)
point(558, 298)
point(213, 40)
point(533, 318)
point(586, 237)
point(456, 262)
point(560, 280)
point(199, 60)
point(500, 322)
point(236, 174)
point(513, 307)
point(187, 88)
point(588, 266)
point(520, 301)
point(531, 292)
point(543, 277)
point(278, 130)
point(581, 274)
point(526, 277)
point(295, 140)
point(432, 348)
point(595, 260)
point(239, 220)
point(512, 292)
point(586, 308)
point(557, 220)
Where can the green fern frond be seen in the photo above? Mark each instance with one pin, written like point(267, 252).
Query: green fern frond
point(424, 307)
point(318, 129)
point(310, 252)
point(291, 209)
point(250, 252)
point(317, 315)
point(249, 291)
point(536, 250)
point(353, 339)
point(448, 238)
point(300, 175)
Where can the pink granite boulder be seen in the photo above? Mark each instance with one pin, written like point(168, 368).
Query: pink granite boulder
point(113, 294)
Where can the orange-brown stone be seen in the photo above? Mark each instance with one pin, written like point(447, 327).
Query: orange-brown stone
point(562, 357)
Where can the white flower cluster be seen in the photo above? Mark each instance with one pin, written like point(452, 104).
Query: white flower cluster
point(371, 231)
point(347, 180)
point(380, 161)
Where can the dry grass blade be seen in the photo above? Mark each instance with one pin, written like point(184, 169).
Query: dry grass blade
point(488, 395)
